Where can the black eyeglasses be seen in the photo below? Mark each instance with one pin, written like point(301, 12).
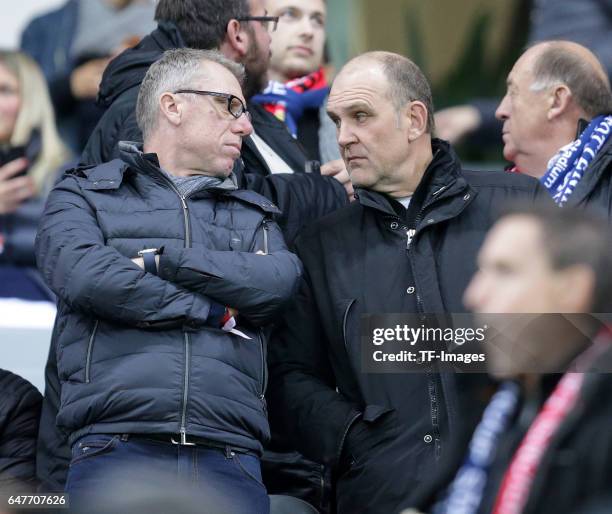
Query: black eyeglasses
point(235, 106)
point(266, 21)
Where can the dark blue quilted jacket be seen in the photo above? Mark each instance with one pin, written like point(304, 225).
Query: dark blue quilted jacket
point(136, 352)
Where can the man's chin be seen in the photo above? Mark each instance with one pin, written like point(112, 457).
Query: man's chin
point(509, 153)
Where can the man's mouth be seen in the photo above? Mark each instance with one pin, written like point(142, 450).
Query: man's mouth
point(304, 50)
point(352, 158)
point(235, 146)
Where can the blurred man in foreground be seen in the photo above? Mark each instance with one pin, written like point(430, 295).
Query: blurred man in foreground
point(542, 445)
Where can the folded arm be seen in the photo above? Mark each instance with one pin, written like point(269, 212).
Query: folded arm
point(95, 278)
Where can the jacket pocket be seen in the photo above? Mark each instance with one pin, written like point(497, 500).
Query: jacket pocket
point(347, 309)
point(90, 346)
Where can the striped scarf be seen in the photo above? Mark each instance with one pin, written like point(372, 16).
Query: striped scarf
point(567, 167)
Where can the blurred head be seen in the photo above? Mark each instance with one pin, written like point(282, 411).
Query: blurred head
point(203, 131)
point(551, 86)
point(541, 260)
point(382, 107)
point(224, 25)
point(25, 106)
point(297, 43)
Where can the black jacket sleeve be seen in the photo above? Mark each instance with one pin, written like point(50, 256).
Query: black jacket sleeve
point(302, 197)
point(19, 414)
point(88, 275)
point(302, 386)
point(257, 285)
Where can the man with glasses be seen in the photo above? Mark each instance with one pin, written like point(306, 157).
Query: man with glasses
point(165, 273)
point(273, 163)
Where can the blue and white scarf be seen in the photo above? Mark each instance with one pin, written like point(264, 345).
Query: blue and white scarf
point(567, 167)
point(466, 490)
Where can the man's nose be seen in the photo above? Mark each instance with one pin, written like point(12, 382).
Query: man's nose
point(306, 28)
point(345, 135)
point(243, 125)
point(502, 111)
point(475, 294)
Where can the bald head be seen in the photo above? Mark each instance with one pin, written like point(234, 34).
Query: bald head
point(565, 62)
point(405, 81)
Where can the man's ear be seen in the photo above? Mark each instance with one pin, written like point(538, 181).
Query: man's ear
point(236, 41)
point(171, 108)
point(416, 114)
point(558, 101)
point(576, 288)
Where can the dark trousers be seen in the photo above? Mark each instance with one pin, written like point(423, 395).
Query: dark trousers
point(227, 480)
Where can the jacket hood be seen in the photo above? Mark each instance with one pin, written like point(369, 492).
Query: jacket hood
point(129, 68)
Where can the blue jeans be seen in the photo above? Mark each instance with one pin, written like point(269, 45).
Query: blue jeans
point(223, 476)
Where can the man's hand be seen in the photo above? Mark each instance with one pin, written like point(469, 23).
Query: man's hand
point(14, 190)
point(85, 80)
point(454, 123)
point(337, 169)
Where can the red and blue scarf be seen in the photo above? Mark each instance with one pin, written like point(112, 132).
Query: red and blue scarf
point(289, 101)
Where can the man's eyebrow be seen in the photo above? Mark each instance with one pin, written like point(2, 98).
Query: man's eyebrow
point(357, 105)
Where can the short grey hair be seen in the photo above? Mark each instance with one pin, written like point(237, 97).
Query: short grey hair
point(175, 70)
point(557, 65)
point(407, 83)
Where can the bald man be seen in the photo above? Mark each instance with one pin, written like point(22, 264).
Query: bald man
point(408, 244)
point(557, 123)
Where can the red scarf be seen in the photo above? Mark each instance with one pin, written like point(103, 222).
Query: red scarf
point(517, 481)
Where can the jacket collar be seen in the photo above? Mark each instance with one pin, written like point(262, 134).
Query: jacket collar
point(133, 156)
point(442, 179)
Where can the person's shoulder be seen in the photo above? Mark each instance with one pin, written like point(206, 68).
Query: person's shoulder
point(17, 388)
point(95, 176)
point(45, 19)
point(500, 180)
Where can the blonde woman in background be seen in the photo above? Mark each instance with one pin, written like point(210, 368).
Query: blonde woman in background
point(31, 154)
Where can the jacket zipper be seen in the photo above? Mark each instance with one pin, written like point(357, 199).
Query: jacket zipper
point(92, 337)
point(183, 427)
point(433, 400)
